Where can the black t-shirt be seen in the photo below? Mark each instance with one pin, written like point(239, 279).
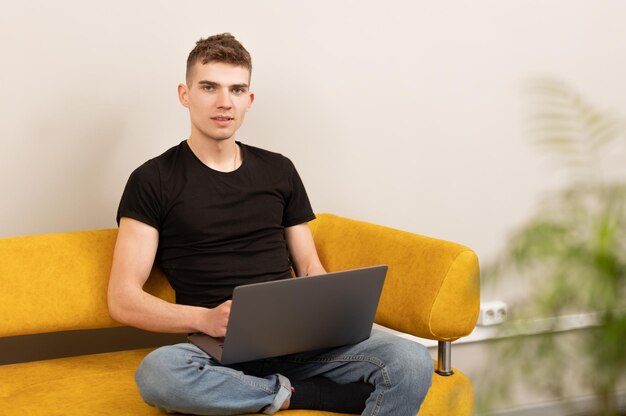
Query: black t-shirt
point(217, 230)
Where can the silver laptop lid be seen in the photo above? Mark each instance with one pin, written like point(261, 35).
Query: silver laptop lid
point(303, 314)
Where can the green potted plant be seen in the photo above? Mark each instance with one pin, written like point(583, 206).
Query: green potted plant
point(574, 250)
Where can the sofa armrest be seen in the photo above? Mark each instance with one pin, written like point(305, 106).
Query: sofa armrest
point(432, 286)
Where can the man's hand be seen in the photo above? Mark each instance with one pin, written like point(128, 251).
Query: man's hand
point(218, 319)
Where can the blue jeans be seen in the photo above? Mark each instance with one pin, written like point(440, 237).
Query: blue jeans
point(183, 378)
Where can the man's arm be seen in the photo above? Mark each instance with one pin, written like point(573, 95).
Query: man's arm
point(129, 304)
point(302, 250)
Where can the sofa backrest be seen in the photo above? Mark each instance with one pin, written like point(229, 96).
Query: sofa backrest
point(58, 282)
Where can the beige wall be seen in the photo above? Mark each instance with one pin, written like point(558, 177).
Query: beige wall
point(409, 114)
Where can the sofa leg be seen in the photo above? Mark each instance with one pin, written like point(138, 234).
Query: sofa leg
point(444, 358)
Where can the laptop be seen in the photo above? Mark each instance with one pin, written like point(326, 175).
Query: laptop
point(288, 316)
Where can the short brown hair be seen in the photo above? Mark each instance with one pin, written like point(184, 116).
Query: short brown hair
point(222, 48)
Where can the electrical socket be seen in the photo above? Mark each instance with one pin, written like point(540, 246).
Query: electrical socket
point(492, 313)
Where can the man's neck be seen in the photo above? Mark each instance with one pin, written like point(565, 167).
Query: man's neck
point(220, 155)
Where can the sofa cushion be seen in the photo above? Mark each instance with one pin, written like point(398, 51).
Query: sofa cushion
point(103, 384)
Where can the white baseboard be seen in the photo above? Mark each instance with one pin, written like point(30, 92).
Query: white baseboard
point(578, 406)
point(508, 329)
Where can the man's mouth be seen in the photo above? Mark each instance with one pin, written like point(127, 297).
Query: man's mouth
point(222, 118)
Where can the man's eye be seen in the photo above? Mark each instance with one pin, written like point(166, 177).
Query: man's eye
point(239, 90)
point(208, 88)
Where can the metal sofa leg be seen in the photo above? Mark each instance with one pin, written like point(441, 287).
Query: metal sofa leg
point(444, 358)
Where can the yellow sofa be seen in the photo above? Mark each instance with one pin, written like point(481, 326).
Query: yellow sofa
point(58, 282)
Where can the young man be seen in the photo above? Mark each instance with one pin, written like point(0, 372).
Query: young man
point(215, 213)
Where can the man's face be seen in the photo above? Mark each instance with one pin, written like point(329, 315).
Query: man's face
point(218, 97)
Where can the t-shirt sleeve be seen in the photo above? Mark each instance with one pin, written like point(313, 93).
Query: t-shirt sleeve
point(141, 199)
point(298, 208)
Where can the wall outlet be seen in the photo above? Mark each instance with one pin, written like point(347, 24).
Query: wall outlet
point(492, 313)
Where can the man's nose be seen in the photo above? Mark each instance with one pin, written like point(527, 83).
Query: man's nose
point(223, 99)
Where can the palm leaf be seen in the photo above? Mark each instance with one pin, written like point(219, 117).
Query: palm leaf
point(574, 248)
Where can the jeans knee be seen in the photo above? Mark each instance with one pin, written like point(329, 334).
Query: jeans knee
point(152, 373)
point(411, 365)
point(425, 363)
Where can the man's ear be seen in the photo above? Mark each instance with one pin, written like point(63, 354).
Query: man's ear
point(183, 95)
point(251, 95)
